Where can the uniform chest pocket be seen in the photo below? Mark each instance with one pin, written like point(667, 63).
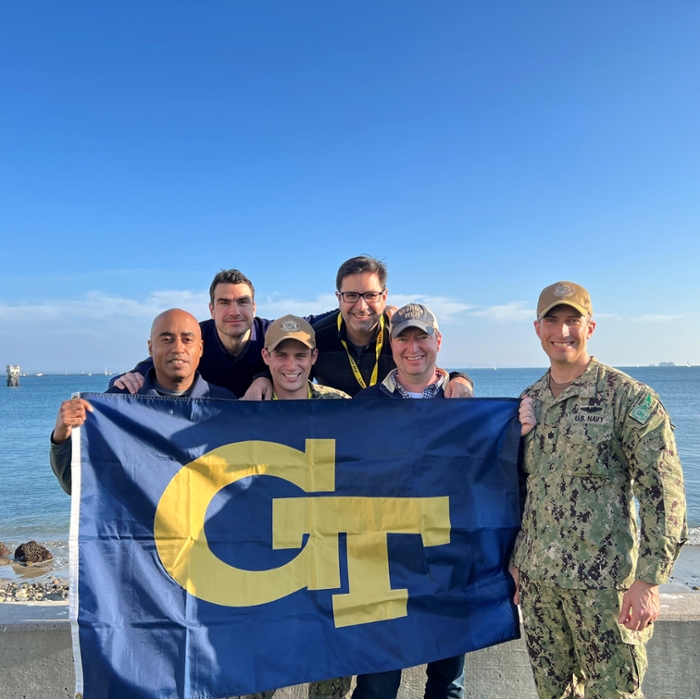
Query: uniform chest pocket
point(587, 448)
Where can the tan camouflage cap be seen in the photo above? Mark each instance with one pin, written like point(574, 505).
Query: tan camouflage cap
point(566, 293)
point(289, 327)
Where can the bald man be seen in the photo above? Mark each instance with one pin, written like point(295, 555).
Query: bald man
point(176, 347)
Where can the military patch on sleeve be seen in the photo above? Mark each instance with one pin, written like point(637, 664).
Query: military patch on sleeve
point(642, 411)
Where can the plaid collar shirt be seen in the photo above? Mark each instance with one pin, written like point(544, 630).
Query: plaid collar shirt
point(430, 391)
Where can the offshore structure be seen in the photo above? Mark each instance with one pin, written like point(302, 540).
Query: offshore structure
point(13, 375)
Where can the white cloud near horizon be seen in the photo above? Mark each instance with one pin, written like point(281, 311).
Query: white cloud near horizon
point(607, 316)
point(515, 311)
point(98, 306)
point(446, 310)
point(656, 318)
point(272, 306)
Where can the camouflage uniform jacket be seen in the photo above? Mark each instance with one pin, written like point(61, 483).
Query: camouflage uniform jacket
point(605, 439)
point(319, 392)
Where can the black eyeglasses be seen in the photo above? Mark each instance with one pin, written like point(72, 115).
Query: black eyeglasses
point(354, 296)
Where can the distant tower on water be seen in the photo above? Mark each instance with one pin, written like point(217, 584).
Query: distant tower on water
point(13, 375)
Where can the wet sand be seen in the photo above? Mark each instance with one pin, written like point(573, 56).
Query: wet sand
point(686, 572)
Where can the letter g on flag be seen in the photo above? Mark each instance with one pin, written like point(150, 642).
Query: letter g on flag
point(184, 551)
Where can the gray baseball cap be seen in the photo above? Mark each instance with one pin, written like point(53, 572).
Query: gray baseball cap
point(413, 315)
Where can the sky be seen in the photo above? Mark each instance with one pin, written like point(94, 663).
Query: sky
point(483, 150)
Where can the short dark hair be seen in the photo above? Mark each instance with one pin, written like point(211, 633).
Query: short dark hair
point(359, 265)
point(230, 276)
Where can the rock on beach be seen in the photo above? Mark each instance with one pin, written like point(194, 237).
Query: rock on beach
point(32, 552)
point(49, 588)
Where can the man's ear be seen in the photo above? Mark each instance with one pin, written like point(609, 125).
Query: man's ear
point(211, 310)
point(591, 328)
point(314, 357)
point(266, 356)
point(150, 348)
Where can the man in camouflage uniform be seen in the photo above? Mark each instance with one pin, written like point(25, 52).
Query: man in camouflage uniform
point(588, 583)
point(290, 352)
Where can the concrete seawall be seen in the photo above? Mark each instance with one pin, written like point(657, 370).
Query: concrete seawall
point(36, 659)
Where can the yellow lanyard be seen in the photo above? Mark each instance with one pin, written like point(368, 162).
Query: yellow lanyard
point(353, 363)
point(308, 395)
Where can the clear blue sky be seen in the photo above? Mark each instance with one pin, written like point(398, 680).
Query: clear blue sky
point(483, 149)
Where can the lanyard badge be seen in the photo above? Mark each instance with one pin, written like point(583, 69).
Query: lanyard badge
point(378, 351)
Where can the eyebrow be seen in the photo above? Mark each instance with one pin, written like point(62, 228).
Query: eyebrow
point(170, 333)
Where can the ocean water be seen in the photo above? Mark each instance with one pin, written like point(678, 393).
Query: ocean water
point(33, 506)
point(679, 390)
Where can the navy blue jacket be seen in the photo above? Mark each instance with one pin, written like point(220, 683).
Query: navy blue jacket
point(199, 389)
point(333, 368)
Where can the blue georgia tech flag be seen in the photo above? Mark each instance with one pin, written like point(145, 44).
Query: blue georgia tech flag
point(220, 548)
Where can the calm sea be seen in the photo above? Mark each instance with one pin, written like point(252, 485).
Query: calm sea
point(33, 506)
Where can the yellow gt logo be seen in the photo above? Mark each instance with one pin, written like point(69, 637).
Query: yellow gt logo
point(184, 551)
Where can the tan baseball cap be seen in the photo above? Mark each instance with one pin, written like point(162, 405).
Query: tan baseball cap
point(566, 293)
point(289, 327)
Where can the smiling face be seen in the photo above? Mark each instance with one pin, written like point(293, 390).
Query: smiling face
point(290, 365)
point(176, 347)
point(361, 318)
point(415, 354)
point(564, 335)
point(233, 310)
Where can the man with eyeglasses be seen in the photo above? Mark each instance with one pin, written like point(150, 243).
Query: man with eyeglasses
point(353, 345)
